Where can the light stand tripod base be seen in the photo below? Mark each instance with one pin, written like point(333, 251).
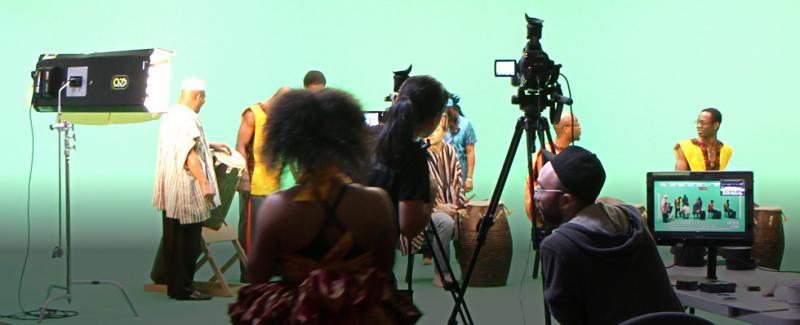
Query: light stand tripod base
point(43, 309)
point(68, 296)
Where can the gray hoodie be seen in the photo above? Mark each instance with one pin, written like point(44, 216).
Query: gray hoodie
point(602, 267)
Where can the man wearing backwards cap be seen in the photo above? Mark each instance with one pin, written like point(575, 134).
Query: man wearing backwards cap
point(600, 265)
point(185, 189)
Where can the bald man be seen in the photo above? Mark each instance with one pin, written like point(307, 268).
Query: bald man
point(567, 130)
point(705, 152)
point(258, 180)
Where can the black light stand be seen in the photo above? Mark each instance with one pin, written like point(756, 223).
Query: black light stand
point(69, 137)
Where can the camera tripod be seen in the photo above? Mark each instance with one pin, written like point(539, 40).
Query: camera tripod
point(533, 124)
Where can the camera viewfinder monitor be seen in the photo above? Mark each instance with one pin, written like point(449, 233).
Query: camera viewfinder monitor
point(709, 208)
point(505, 68)
point(373, 118)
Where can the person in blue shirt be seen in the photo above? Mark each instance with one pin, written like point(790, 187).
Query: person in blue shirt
point(461, 135)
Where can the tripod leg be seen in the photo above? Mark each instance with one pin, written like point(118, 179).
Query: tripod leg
point(530, 139)
point(488, 220)
point(442, 264)
point(409, 270)
point(43, 309)
point(547, 316)
point(116, 284)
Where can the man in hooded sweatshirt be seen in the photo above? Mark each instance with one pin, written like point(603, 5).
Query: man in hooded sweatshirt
point(600, 265)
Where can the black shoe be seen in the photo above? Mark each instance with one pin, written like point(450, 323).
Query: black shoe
point(195, 295)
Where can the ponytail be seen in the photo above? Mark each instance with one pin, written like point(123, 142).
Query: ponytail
point(395, 137)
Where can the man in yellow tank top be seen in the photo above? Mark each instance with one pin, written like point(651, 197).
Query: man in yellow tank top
point(258, 180)
point(705, 152)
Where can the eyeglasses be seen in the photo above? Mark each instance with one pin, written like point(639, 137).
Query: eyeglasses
point(538, 189)
point(698, 122)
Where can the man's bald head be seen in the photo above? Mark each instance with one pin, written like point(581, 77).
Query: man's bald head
point(567, 126)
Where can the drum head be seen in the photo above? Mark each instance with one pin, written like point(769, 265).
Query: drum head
point(765, 208)
point(235, 159)
point(481, 203)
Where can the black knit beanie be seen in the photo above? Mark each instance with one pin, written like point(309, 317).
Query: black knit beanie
point(580, 172)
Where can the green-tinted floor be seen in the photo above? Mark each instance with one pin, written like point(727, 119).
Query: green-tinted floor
point(513, 304)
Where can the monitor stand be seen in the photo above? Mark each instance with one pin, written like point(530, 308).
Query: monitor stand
point(711, 271)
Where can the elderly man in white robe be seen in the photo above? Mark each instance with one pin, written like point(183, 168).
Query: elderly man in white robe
point(185, 188)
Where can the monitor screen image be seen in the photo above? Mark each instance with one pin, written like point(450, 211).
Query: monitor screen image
point(704, 208)
point(716, 205)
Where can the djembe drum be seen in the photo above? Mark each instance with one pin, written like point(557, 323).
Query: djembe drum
point(768, 239)
point(494, 261)
point(228, 169)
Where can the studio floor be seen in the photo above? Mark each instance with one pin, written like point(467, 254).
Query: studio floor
point(519, 302)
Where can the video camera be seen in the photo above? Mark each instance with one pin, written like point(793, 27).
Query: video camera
point(378, 117)
point(399, 78)
point(535, 75)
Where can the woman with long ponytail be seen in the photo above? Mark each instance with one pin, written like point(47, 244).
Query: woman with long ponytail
point(401, 166)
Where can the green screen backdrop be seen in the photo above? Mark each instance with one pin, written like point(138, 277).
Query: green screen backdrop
point(640, 72)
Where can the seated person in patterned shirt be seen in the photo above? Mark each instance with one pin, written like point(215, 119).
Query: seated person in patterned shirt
point(447, 191)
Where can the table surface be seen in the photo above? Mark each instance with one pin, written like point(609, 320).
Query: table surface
point(748, 306)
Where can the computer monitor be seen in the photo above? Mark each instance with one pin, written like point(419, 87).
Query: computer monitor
point(701, 208)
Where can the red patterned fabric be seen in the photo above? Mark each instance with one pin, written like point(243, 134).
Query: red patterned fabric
point(331, 291)
point(324, 298)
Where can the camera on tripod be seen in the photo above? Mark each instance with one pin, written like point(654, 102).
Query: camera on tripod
point(399, 78)
point(378, 117)
point(535, 75)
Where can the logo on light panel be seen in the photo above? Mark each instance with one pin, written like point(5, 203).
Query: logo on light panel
point(119, 82)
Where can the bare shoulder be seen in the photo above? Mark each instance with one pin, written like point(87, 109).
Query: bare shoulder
point(275, 208)
point(375, 195)
point(373, 201)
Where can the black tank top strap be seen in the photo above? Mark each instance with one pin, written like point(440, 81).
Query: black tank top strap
point(317, 248)
point(330, 211)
